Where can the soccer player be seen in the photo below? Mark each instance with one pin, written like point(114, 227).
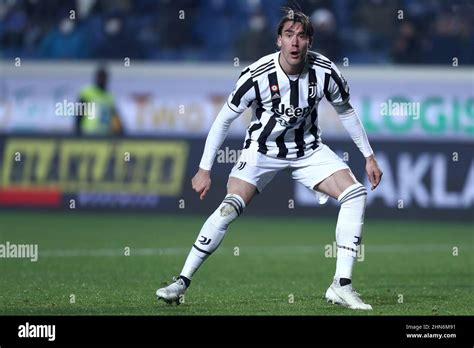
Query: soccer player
point(284, 89)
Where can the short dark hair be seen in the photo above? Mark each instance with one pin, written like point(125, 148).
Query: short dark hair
point(290, 14)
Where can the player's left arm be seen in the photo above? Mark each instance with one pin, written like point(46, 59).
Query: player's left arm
point(338, 95)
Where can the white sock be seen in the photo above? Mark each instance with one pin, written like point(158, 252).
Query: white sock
point(212, 233)
point(349, 228)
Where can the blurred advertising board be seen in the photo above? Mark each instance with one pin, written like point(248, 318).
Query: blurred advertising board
point(100, 172)
point(182, 101)
point(422, 180)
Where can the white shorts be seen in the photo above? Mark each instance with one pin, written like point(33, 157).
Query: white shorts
point(259, 169)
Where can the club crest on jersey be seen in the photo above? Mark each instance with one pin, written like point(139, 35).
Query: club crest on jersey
point(288, 116)
point(312, 90)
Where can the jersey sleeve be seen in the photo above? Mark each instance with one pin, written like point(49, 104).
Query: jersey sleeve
point(243, 94)
point(354, 127)
point(336, 88)
point(239, 100)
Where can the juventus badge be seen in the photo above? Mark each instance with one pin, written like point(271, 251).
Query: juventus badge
point(204, 240)
point(312, 90)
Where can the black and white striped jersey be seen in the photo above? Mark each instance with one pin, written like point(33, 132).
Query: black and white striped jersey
point(284, 120)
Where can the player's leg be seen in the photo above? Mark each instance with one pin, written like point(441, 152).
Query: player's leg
point(336, 183)
point(239, 195)
point(249, 176)
point(352, 198)
point(325, 172)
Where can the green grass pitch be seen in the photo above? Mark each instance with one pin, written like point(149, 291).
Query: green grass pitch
point(409, 268)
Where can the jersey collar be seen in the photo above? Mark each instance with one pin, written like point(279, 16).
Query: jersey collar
point(280, 69)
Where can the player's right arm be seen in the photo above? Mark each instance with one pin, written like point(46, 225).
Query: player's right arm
point(237, 102)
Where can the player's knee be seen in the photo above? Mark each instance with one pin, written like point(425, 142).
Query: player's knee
point(230, 209)
point(215, 227)
point(354, 195)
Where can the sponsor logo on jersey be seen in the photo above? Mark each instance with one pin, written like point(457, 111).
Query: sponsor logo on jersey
point(289, 116)
point(276, 96)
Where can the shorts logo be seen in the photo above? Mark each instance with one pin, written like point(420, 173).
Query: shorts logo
point(241, 165)
point(204, 241)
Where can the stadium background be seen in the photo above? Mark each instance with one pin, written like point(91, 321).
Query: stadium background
point(171, 66)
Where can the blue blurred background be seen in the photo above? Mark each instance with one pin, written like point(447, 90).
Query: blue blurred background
point(365, 31)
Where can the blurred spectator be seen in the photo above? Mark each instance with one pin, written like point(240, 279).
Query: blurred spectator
point(309, 6)
point(66, 41)
point(326, 40)
point(175, 22)
point(105, 120)
point(369, 31)
point(215, 28)
point(13, 23)
point(258, 41)
point(379, 18)
point(116, 42)
point(446, 41)
point(117, 6)
point(467, 35)
point(407, 46)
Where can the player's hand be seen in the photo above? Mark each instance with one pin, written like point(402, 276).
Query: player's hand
point(373, 171)
point(202, 182)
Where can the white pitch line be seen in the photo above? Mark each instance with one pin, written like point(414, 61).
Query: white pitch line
point(244, 249)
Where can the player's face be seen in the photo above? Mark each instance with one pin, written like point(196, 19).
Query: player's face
point(294, 44)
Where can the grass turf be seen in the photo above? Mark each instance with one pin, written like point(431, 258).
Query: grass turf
point(408, 267)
